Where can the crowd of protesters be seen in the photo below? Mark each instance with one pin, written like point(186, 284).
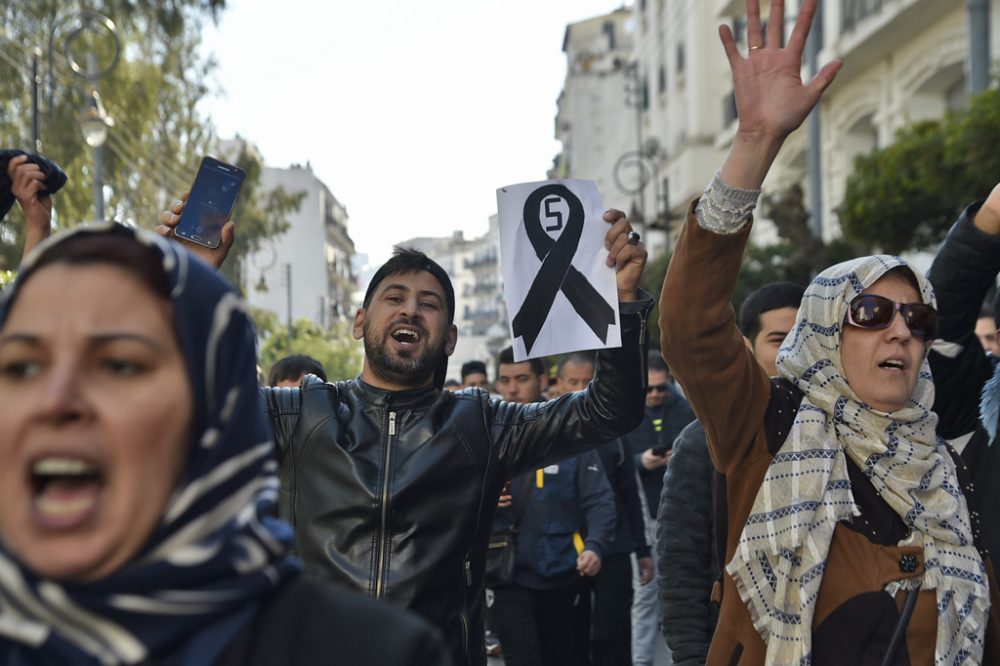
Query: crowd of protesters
point(809, 482)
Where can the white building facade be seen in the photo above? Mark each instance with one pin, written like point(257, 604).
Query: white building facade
point(904, 61)
point(480, 314)
point(307, 272)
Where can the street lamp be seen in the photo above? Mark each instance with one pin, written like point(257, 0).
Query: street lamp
point(94, 120)
point(644, 167)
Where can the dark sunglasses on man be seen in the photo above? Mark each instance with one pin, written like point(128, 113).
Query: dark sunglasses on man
point(877, 312)
point(658, 388)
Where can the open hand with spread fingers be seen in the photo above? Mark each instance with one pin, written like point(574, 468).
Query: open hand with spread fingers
point(771, 98)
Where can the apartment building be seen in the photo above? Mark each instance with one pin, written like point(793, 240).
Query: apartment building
point(904, 61)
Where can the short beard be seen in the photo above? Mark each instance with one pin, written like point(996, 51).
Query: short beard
point(411, 372)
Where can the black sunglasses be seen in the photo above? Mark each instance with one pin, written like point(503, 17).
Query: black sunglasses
point(662, 388)
point(877, 312)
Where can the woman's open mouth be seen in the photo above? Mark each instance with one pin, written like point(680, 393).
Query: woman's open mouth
point(66, 490)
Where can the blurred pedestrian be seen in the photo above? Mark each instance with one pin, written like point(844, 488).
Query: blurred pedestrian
point(474, 374)
point(138, 490)
point(288, 372)
point(566, 514)
point(667, 413)
point(605, 627)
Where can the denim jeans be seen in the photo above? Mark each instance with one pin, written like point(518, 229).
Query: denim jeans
point(646, 611)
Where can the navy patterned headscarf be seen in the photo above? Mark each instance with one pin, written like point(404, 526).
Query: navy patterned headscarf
point(218, 547)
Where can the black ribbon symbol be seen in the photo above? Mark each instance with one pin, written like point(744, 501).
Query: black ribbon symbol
point(557, 272)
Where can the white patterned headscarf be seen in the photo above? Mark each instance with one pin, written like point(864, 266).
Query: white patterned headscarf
point(218, 549)
point(779, 562)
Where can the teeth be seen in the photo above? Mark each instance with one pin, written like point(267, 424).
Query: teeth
point(54, 507)
point(62, 467)
point(893, 364)
point(408, 333)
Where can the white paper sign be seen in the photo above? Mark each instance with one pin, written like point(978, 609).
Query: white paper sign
point(561, 295)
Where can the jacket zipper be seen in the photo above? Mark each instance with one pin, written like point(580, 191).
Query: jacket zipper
point(381, 555)
point(464, 613)
point(642, 357)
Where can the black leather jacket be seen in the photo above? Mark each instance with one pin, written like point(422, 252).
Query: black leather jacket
point(394, 493)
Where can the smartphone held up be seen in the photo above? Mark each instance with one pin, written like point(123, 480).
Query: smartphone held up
point(211, 202)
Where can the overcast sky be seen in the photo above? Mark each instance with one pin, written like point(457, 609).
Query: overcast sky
point(412, 113)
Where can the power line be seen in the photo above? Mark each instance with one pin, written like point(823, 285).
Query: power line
point(132, 143)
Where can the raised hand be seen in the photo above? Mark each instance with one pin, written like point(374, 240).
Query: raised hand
point(28, 187)
point(771, 98)
point(627, 256)
point(987, 219)
point(169, 219)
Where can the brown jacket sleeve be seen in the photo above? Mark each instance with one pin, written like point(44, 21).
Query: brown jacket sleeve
point(705, 350)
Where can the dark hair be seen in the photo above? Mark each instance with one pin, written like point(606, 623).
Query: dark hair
point(450, 383)
point(293, 367)
point(772, 296)
point(988, 311)
point(122, 251)
point(906, 273)
point(507, 356)
point(654, 361)
point(472, 368)
point(576, 357)
point(410, 260)
point(996, 309)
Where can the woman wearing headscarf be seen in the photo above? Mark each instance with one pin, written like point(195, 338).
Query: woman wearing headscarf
point(138, 489)
point(849, 538)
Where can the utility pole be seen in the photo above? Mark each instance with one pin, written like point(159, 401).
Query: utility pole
point(288, 299)
point(636, 96)
point(814, 45)
point(36, 81)
point(978, 75)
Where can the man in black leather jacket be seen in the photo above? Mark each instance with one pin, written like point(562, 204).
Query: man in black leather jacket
point(391, 482)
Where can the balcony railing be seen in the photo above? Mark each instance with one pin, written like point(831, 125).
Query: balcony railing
point(853, 12)
point(481, 315)
point(484, 260)
point(484, 288)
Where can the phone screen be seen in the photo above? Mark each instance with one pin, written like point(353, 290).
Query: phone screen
point(211, 202)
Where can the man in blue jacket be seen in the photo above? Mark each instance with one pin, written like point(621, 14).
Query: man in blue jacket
point(606, 634)
point(567, 521)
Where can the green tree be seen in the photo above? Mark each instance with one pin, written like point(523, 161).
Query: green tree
point(338, 352)
point(973, 138)
point(153, 151)
point(906, 196)
point(152, 94)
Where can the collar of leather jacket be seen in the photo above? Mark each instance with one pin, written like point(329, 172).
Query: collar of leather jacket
point(396, 399)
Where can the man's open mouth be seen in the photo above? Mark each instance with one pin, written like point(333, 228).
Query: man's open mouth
point(406, 336)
